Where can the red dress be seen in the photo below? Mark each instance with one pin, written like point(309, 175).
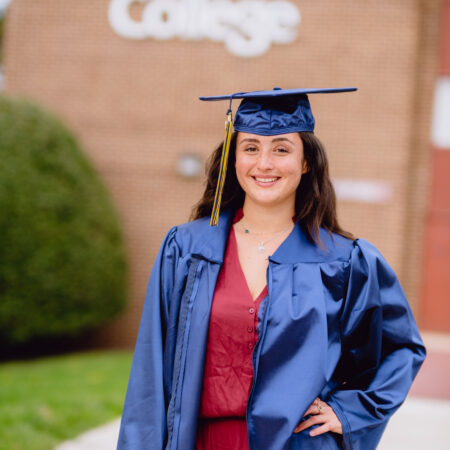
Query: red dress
point(228, 372)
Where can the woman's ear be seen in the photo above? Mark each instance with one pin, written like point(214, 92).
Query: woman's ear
point(305, 167)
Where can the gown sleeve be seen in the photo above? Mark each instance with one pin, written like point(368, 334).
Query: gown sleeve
point(143, 424)
point(381, 349)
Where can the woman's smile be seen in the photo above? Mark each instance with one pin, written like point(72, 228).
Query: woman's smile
point(264, 181)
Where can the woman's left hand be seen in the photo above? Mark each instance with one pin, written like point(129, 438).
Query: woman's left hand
point(321, 413)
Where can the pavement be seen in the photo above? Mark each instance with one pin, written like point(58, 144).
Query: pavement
point(102, 438)
point(422, 422)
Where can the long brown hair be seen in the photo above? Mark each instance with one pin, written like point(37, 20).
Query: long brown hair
point(315, 200)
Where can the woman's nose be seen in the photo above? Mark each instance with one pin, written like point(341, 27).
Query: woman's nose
point(265, 160)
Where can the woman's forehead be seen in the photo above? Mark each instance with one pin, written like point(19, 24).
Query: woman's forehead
point(293, 138)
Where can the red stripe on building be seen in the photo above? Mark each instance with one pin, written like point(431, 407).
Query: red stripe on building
point(436, 282)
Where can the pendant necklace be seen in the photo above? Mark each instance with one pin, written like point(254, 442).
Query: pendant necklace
point(262, 244)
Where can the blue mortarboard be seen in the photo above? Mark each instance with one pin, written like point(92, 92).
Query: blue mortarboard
point(266, 113)
point(274, 112)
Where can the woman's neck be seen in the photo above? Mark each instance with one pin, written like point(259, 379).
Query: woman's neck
point(267, 219)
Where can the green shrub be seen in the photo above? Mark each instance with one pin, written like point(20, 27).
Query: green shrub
point(62, 264)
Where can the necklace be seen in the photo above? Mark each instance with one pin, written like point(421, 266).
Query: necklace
point(262, 244)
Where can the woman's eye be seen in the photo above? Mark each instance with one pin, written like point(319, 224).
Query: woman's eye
point(281, 150)
point(251, 149)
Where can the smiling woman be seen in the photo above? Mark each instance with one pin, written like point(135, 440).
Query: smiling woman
point(273, 328)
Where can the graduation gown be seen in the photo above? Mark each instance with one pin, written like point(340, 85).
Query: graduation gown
point(335, 325)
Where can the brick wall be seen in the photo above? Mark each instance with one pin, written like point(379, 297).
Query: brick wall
point(134, 106)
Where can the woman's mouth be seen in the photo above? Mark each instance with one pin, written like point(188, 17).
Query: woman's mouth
point(265, 181)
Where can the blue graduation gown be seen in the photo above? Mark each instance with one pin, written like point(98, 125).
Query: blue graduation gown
point(335, 325)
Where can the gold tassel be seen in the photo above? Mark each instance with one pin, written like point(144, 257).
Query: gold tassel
point(222, 170)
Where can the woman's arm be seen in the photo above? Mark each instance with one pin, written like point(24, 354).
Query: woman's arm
point(382, 350)
point(143, 423)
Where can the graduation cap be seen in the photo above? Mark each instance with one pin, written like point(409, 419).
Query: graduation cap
point(266, 113)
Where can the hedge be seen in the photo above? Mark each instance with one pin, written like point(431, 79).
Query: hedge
point(62, 261)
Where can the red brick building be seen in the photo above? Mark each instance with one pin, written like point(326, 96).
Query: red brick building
point(126, 77)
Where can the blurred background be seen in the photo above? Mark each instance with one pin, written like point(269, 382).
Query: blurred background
point(113, 86)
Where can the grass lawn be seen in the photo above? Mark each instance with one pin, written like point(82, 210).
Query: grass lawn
point(49, 400)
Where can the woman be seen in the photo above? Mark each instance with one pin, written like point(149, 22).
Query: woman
point(274, 328)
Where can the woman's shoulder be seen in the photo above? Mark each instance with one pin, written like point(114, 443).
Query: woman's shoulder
point(359, 252)
point(343, 246)
point(199, 237)
point(337, 247)
point(193, 226)
point(193, 231)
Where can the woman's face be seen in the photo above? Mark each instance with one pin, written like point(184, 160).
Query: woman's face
point(269, 168)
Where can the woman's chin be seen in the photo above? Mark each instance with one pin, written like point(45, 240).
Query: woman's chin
point(268, 201)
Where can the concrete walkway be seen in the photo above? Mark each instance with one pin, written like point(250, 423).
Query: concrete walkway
point(419, 424)
point(102, 438)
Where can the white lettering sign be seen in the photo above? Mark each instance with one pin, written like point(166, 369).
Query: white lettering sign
point(247, 28)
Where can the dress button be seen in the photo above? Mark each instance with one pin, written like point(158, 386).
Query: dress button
point(251, 310)
point(250, 345)
point(250, 329)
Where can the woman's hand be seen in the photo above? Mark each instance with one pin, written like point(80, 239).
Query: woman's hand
point(321, 413)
